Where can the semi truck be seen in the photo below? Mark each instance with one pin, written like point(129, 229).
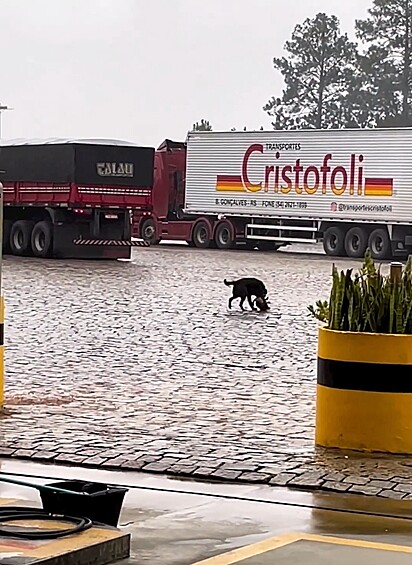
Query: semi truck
point(73, 198)
point(350, 189)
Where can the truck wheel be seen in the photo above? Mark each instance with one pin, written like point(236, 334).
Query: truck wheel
point(224, 236)
point(380, 244)
point(42, 239)
point(20, 237)
point(148, 232)
point(7, 225)
point(334, 241)
point(356, 242)
point(201, 235)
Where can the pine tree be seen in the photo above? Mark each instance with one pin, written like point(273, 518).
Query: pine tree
point(387, 35)
point(319, 72)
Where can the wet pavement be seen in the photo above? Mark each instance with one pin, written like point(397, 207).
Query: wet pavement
point(174, 522)
point(140, 366)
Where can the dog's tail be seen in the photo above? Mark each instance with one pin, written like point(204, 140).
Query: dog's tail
point(228, 283)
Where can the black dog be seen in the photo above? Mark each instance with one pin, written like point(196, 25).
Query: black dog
point(245, 289)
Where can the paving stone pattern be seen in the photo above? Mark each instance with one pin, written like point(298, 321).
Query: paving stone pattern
point(141, 366)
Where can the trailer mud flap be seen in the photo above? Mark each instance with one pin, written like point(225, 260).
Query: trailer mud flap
point(111, 242)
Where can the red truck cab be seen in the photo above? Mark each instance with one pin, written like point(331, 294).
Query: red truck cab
point(164, 218)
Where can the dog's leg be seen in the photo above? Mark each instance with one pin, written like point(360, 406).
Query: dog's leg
point(230, 302)
point(249, 299)
point(242, 301)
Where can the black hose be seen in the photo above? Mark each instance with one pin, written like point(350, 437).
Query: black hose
point(17, 513)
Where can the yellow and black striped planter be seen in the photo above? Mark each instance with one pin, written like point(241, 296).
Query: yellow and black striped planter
point(364, 391)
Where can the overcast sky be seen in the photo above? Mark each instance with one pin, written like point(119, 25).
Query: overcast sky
point(144, 70)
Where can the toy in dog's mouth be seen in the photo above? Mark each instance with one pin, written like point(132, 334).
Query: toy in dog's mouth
point(262, 304)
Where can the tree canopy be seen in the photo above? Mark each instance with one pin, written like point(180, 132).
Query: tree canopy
point(203, 125)
point(332, 82)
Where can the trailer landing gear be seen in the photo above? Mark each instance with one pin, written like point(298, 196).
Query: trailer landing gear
point(267, 245)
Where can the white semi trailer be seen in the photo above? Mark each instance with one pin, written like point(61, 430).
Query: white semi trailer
point(351, 189)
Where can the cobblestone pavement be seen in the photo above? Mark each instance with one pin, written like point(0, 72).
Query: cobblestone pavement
point(140, 365)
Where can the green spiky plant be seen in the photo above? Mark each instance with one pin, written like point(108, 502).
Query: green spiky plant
point(368, 301)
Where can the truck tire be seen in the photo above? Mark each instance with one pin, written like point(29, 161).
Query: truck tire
point(7, 225)
point(225, 236)
point(42, 239)
point(201, 235)
point(20, 237)
point(148, 232)
point(356, 242)
point(334, 241)
point(380, 244)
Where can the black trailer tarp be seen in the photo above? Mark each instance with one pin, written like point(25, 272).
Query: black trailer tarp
point(87, 164)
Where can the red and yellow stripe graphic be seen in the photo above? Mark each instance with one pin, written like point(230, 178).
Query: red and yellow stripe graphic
point(378, 187)
point(229, 183)
point(373, 187)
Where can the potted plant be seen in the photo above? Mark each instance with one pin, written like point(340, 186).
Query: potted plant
point(364, 373)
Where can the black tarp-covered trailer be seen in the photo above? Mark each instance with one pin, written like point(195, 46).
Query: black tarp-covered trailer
point(77, 162)
point(73, 198)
